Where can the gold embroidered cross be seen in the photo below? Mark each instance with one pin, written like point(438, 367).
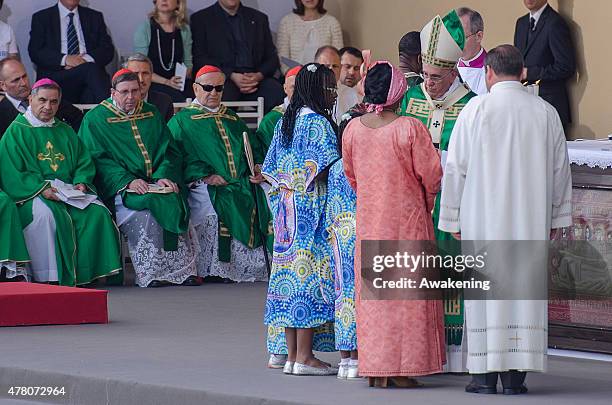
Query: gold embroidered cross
point(52, 157)
point(515, 338)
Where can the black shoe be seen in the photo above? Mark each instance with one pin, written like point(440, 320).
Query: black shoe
point(192, 281)
point(213, 279)
point(155, 284)
point(516, 390)
point(474, 388)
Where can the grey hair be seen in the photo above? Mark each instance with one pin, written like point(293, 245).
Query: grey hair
point(35, 91)
point(505, 60)
point(476, 21)
point(138, 57)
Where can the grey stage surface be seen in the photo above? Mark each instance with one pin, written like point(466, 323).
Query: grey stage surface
point(206, 345)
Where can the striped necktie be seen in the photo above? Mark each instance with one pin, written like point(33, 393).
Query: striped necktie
point(72, 39)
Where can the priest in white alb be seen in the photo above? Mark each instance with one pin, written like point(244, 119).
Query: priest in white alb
point(507, 178)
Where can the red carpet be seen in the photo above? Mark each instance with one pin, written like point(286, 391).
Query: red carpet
point(41, 304)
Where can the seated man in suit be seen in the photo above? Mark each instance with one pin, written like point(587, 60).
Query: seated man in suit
point(237, 39)
point(15, 83)
point(143, 67)
point(69, 44)
point(545, 41)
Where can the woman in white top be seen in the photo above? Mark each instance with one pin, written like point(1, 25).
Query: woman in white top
point(8, 43)
point(305, 30)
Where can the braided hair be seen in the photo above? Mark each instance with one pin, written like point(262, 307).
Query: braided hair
point(377, 83)
point(311, 90)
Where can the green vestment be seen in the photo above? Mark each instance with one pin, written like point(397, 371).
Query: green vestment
point(86, 241)
point(12, 244)
point(265, 131)
point(440, 117)
point(136, 146)
point(212, 143)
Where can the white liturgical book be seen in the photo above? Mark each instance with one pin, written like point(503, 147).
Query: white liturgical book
point(71, 196)
point(181, 71)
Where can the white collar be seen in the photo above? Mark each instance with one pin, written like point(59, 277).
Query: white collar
point(536, 16)
point(16, 103)
point(305, 111)
point(63, 11)
point(35, 122)
point(467, 62)
point(451, 89)
point(506, 84)
point(197, 102)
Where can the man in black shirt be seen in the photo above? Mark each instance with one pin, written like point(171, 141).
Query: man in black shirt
point(237, 39)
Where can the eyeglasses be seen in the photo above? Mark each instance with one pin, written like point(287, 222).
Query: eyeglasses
point(435, 78)
point(209, 87)
point(471, 35)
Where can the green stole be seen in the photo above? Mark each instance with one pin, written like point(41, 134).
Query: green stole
point(440, 117)
point(212, 143)
point(34, 156)
point(137, 146)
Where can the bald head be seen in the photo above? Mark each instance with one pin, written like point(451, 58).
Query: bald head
point(330, 57)
point(14, 79)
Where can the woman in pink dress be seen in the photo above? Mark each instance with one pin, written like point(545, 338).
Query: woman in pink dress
point(393, 167)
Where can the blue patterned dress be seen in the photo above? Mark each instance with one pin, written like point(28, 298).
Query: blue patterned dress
point(340, 223)
point(301, 290)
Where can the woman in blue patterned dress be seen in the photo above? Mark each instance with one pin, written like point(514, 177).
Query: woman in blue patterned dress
point(340, 224)
point(301, 291)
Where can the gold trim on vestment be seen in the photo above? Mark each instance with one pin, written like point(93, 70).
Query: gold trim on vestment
point(224, 231)
point(123, 117)
point(46, 185)
point(53, 158)
point(217, 116)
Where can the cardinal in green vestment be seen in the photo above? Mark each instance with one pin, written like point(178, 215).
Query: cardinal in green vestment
point(70, 235)
point(138, 168)
point(265, 130)
point(217, 167)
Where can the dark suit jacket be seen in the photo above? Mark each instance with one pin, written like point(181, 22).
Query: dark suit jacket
point(163, 102)
point(66, 112)
point(46, 39)
point(549, 57)
point(213, 44)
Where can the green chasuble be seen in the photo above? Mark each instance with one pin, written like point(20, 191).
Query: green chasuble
point(265, 131)
point(212, 143)
point(440, 117)
point(12, 244)
point(87, 241)
point(136, 146)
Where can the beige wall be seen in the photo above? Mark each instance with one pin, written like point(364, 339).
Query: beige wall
point(379, 24)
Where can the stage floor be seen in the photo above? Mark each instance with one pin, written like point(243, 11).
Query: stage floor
point(206, 345)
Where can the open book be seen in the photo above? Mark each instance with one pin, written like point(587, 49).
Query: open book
point(156, 189)
point(71, 196)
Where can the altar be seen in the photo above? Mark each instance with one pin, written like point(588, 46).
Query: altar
point(584, 322)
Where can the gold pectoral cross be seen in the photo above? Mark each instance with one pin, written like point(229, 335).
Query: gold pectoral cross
point(52, 157)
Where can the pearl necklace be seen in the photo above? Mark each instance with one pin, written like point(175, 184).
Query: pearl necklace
point(161, 59)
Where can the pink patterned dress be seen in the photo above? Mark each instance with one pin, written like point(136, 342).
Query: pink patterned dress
point(396, 174)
